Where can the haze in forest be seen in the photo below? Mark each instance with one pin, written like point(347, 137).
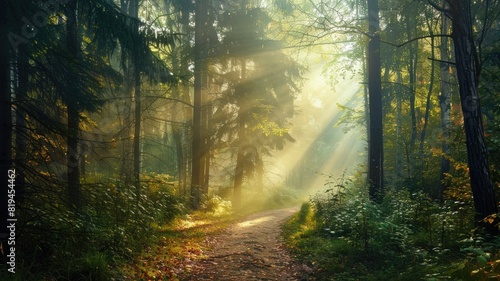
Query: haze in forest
point(123, 121)
point(319, 132)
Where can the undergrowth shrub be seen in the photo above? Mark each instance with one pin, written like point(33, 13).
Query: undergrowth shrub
point(115, 224)
point(408, 236)
point(216, 205)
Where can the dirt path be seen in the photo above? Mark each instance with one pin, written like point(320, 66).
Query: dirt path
point(249, 250)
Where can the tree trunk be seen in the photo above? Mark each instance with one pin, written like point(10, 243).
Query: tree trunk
point(177, 128)
point(412, 73)
point(468, 69)
point(427, 102)
point(259, 173)
point(73, 165)
point(188, 112)
point(238, 178)
point(240, 157)
point(134, 13)
point(204, 127)
point(206, 101)
point(179, 149)
point(72, 155)
point(399, 130)
point(21, 130)
point(375, 145)
point(126, 169)
point(207, 147)
point(137, 126)
point(197, 164)
point(83, 160)
point(5, 121)
point(366, 102)
point(444, 104)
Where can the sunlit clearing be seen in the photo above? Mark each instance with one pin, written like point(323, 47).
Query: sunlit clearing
point(254, 222)
point(315, 132)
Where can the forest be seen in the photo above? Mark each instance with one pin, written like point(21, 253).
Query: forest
point(133, 132)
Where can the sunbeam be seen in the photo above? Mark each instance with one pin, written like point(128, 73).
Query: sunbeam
point(321, 147)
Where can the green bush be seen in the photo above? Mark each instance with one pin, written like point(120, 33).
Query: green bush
point(115, 224)
point(408, 236)
point(217, 205)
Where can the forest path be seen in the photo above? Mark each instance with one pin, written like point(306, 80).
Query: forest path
point(250, 249)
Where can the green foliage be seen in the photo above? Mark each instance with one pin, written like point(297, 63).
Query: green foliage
point(482, 258)
point(366, 225)
point(408, 236)
point(114, 226)
point(217, 206)
point(91, 266)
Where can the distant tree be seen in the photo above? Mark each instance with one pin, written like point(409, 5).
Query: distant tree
point(139, 61)
point(432, 23)
point(261, 81)
point(137, 65)
point(182, 110)
point(444, 101)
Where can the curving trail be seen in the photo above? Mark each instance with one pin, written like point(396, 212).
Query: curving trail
point(249, 250)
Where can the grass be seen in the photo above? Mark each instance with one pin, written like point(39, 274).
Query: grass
point(309, 246)
point(335, 258)
point(338, 258)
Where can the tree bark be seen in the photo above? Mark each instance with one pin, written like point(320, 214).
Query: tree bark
point(134, 13)
point(72, 155)
point(20, 129)
point(238, 178)
point(468, 69)
point(126, 147)
point(444, 104)
point(427, 102)
point(259, 173)
point(197, 164)
point(177, 128)
point(399, 130)
point(240, 157)
point(5, 121)
point(204, 128)
point(185, 96)
point(179, 150)
point(207, 147)
point(375, 145)
point(412, 73)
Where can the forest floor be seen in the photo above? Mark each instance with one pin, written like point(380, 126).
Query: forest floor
point(249, 249)
point(199, 248)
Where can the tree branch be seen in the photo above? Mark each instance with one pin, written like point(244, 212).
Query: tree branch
point(438, 60)
point(415, 39)
point(439, 8)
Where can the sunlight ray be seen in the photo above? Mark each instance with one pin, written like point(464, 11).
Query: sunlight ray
point(314, 129)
